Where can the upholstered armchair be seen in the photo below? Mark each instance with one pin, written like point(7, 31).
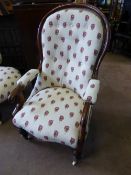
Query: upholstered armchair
point(8, 79)
point(72, 41)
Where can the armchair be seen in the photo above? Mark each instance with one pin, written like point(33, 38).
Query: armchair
point(72, 41)
point(8, 79)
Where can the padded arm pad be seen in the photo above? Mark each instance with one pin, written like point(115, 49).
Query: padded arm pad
point(28, 77)
point(92, 91)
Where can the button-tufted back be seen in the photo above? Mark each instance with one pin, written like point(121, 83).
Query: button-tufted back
point(71, 40)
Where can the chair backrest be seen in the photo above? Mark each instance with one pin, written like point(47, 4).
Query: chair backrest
point(72, 40)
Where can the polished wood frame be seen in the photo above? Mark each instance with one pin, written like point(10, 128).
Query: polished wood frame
point(85, 114)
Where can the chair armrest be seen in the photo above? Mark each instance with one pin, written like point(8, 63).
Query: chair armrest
point(28, 77)
point(92, 91)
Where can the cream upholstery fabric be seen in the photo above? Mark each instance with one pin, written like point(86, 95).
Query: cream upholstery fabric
point(52, 115)
point(8, 80)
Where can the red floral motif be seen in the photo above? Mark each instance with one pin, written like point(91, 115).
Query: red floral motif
point(55, 133)
point(52, 72)
point(95, 52)
point(63, 39)
point(36, 117)
point(78, 25)
point(49, 38)
point(79, 63)
point(92, 26)
point(76, 40)
point(47, 65)
point(58, 93)
point(81, 86)
point(46, 91)
point(50, 122)
point(49, 96)
point(84, 34)
point(52, 84)
point(86, 18)
point(40, 128)
point(48, 52)
point(55, 59)
point(62, 142)
point(32, 109)
point(84, 72)
point(66, 106)
point(61, 53)
point(82, 49)
point(56, 31)
point(22, 114)
point(99, 36)
point(46, 137)
point(72, 17)
point(72, 69)
point(46, 113)
point(14, 120)
point(89, 98)
point(45, 78)
point(58, 16)
point(62, 99)
point(61, 118)
point(64, 24)
point(89, 43)
point(71, 114)
point(40, 99)
point(76, 104)
point(69, 47)
point(70, 32)
point(60, 66)
point(71, 97)
point(68, 61)
point(70, 81)
point(55, 46)
point(77, 124)
point(72, 140)
point(58, 79)
point(50, 23)
point(56, 109)
point(77, 77)
point(52, 101)
point(92, 85)
point(42, 105)
point(26, 123)
point(65, 74)
point(74, 55)
point(66, 128)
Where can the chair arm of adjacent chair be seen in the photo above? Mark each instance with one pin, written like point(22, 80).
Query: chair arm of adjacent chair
point(28, 77)
point(92, 91)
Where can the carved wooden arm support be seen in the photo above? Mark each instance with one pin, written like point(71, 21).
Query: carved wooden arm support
point(18, 96)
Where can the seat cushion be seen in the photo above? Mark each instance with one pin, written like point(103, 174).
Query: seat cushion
point(8, 79)
point(53, 114)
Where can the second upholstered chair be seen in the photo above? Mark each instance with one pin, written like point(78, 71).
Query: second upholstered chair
point(72, 40)
point(8, 79)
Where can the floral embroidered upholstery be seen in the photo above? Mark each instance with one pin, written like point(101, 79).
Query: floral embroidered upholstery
point(52, 114)
point(8, 79)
